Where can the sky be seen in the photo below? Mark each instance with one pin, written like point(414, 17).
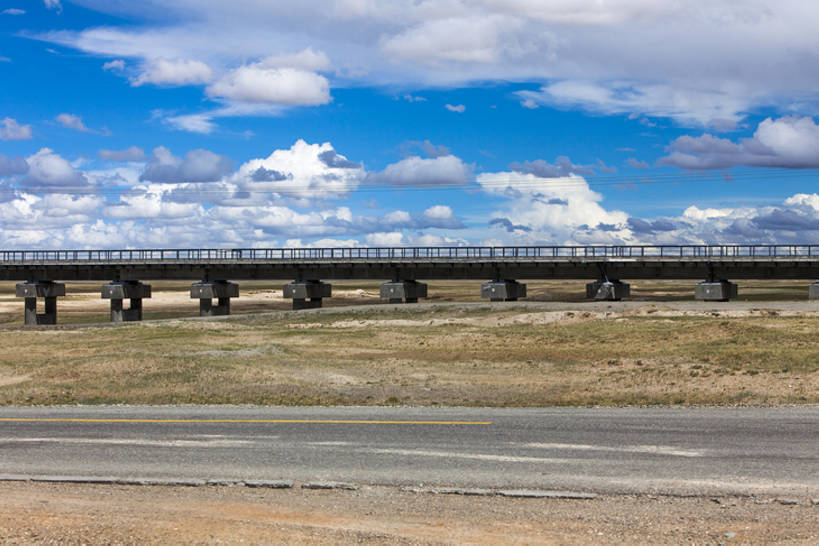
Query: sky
point(339, 123)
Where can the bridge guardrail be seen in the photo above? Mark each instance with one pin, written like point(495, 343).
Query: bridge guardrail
point(406, 253)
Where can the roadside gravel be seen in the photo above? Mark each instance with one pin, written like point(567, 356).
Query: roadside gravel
point(50, 513)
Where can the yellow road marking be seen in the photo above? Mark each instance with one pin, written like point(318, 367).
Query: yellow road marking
point(299, 421)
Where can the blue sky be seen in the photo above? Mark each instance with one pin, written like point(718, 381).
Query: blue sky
point(251, 123)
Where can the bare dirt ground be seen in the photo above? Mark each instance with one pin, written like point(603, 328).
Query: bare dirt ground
point(97, 514)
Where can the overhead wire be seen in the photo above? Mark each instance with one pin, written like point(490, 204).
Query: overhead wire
point(512, 181)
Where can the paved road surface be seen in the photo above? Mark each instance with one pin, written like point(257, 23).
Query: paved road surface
point(680, 451)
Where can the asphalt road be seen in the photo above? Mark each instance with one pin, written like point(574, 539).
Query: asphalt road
point(696, 451)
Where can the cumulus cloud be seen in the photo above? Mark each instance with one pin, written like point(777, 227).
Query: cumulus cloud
point(335, 161)
point(416, 171)
point(256, 83)
point(458, 108)
point(507, 224)
point(306, 171)
point(196, 166)
point(48, 171)
point(636, 163)
point(10, 166)
point(427, 147)
point(133, 153)
point(11, 130)
point(440, 216)
point(389, 239)
point(173, 72)
point(54, 4)
point(789, 142)
point(562, 210)
point(72, 121)
point(562, 166)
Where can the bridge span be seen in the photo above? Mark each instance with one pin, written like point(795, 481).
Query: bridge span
point(402, 268)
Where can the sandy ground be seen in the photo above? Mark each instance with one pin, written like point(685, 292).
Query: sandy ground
point(106, 514)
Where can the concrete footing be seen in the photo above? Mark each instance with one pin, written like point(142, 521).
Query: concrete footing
point(813, 291)
point(132, 290)
point(613, 290)
point(207, 291)
point(715, 290)
point(307, 294)
point(506, 290)
point(47, 290)
point(406, 291)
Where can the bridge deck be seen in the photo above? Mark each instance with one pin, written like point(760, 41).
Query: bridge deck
point(536, 262)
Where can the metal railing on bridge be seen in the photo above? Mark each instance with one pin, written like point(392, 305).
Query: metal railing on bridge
point(407, 253)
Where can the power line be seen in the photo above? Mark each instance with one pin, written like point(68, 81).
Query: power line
point(486, 182)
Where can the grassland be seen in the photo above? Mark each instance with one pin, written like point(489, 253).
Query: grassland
point(449, 354)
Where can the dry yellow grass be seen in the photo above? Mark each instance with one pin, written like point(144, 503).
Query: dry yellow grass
point(472, 354)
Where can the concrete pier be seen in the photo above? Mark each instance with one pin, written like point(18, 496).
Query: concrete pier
point(721, 290)
point(132, 290)
point(505, 290)
point(307, 294)
point(813, 291)
point(407, 291)
point(608, 290)
point(47, 290)
point(207, 291)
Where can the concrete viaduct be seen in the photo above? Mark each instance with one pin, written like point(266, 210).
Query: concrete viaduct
point(501, 267)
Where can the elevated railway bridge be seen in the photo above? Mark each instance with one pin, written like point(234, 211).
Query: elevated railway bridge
point(43, 272)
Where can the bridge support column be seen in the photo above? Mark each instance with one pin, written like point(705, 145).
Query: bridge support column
point(307, 294)
point(49, 291)
point(407, 290)
point(503, 290)
point(608, 290)
point(118, 291)
point(207, 291)
point(713, 290)
point(813, 291)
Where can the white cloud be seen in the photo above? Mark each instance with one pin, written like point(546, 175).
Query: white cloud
point(307, 59)
point(469, 39)
point(322, 243)
point(13, 11)
point(194, 123)
point(117, 64)
point(196, 166)
point(282, 86)
point(133, 153)
point(151, 205)
point(54, 4)
point(417, 171)
point(692, 62)
point(788, 142)
point(561, 210)
point(460, 108)
point(48, 170)
point(688, 105)
point(10, 166)
point(174, 72)
point(72, 121)
point(398, 217)
point(11, 130)
point(393, 238)
point(308, 171)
